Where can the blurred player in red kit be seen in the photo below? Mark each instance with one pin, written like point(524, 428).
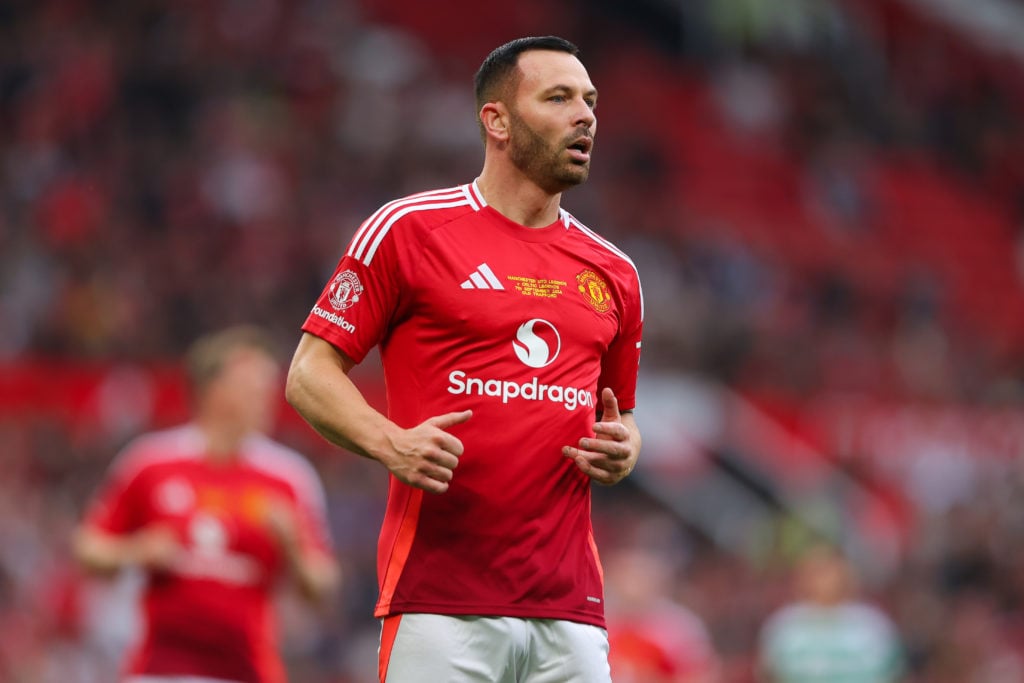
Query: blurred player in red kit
point(510, 336)
point(216, 513)
point(654, 638)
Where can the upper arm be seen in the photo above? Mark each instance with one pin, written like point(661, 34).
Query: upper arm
point(118, 505)
point(314, 352)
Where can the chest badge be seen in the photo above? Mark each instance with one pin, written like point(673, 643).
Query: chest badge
point(595, 290)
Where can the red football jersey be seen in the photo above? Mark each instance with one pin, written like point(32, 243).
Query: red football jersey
point(524, 326)
point(665, 644)
point(213, 615)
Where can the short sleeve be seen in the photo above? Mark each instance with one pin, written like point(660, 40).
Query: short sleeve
point(621, 362)
point(117, 507)
point(359, 300)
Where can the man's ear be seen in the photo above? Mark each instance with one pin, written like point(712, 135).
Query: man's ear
point(495, 119)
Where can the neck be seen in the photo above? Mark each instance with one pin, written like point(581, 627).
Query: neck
point(223, 438)
point(518, 198)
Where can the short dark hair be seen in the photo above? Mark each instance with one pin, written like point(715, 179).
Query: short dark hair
point(206, 356)
point(495, 73)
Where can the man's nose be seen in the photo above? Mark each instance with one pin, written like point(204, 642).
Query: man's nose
point(584, 115)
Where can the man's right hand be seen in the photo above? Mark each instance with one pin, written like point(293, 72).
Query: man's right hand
point(155, 547)
point(426, 455)
point(320, 389)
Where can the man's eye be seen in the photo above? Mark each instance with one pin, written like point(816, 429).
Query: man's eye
point(557, 98)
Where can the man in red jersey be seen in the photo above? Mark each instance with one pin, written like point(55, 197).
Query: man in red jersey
point(505, 328)
point(215, 513)
point(654, 638)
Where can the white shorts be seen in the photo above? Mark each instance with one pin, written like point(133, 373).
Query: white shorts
point(461, 649)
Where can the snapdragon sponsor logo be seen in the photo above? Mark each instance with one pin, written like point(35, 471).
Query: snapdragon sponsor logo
point(536, 344)
point(459, 383)
point(334, 318)
point(230, 568)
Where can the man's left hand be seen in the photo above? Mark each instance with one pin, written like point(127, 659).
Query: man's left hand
point(611, 454)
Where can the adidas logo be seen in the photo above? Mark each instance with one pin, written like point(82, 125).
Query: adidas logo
point(482, 278)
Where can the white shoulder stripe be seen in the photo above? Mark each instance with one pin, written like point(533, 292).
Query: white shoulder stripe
point(597, 238)
point(183, 442)
point(366, 232)
point(383, 230)
point(615, 250)
point(404, 200)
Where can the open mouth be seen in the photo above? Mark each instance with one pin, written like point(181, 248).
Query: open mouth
point(580, 148)
point(583, 145)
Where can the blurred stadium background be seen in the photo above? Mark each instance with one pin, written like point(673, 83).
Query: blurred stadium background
point(825, 199)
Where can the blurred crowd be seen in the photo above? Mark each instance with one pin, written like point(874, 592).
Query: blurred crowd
point(823, 199)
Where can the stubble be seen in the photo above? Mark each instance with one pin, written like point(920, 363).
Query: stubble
point(545, 163)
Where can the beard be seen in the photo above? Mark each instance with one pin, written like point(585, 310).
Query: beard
point(543, 162)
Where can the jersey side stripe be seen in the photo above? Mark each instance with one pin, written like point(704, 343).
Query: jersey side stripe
point(366, 230)
point(399, 214)
point(400, 551)
point(615, 250)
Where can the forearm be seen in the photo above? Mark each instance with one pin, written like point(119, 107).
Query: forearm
point(316, 574)
point(102, 553)
point(321, 392)
point(319, 388)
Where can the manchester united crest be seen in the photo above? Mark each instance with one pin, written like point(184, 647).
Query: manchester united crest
point(595, 290)
point(345, 290)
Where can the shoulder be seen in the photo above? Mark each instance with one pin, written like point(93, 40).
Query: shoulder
point(610, 258)
point(599, 245)
point(155, 449)
point(412, 218)
point(868, 615)
point(279, 462)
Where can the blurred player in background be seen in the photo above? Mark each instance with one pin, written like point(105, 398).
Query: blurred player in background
point(826, 634)
point(215, 513)
point(654, 638)
point(505, 326)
